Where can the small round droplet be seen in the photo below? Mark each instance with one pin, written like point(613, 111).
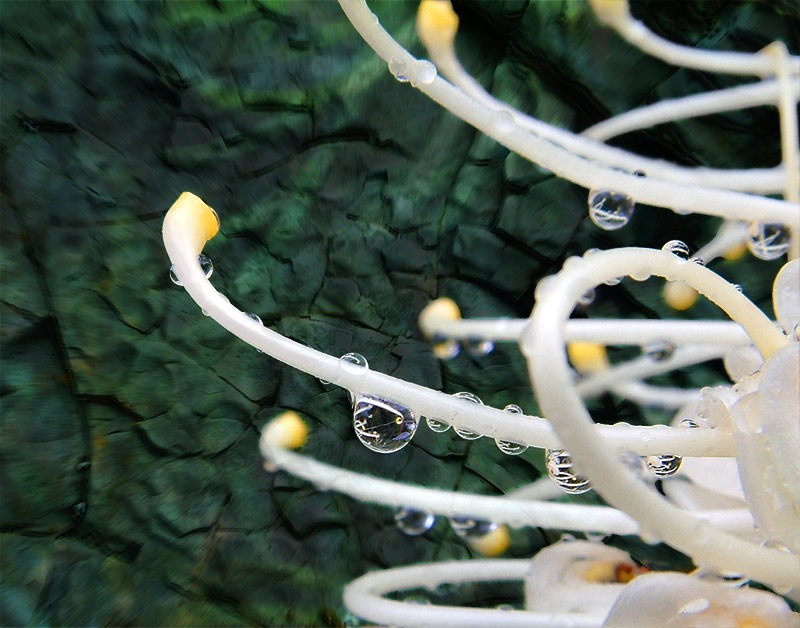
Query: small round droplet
point(436, 425)
point(610, 210)
point(695, 606)
point(254, 317)
point(767, 240)
point(354, 363)
point(587, 298)
point(507, 447)
point(658, 351)
point(205, 312)
point(479, 347)
point(677, 247)
point(413, 522)
point(399, 70)
point(664, 465)
point(502, 122)
point(559, 468)
point(464, 433)
point(423, 72)
point(471, 529)
point(381, 425)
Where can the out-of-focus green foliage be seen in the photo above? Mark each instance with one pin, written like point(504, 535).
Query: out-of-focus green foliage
point(132, 491)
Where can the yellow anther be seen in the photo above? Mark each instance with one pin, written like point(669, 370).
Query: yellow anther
point(443, 309)
point(735, 252)
point(611, 12)
point(588, 357)
point(601, 571)
point(195, 217)
point(679, 296)
point(492, 543)
point(437, 23)
point(286, 430)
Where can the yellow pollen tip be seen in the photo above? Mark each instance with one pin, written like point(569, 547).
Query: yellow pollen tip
point(588, 357)
point(437, 23)
point(196, 217)
point(443, 309)
point(735, 252)
point(679, 296)
point(286, 430)
point(493, 543)
point(611, 11)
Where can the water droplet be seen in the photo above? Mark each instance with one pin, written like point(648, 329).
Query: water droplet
point(413, 522)
point(507, 447)
point(206, 265)
point(254, 317)
point(633, 463)
point(399, 70)
point(354, 363)
point(469, 528)
point(614, 281)
point(595, 537)
point(658, 351)
point(445, 348)
point(174, 276)
point(697, 260)
point(641, 274)
point(436, 425)
point(664, 465)
point(690, 423)
point(639, 173)
point(695, 606)
point(738, 288)
point(559, 468)
point(502, 122)
point(464, 433)
point(587, 298)
point(478, 347)
point(205, 312)
point(676, 247)
point(767, 240)
point(505, 607)
point(423, 72)
point(381, 425)
point(610, 210)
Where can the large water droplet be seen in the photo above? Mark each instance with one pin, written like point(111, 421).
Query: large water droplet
point(436, 425)
point(423, 72)
point(354, 363)
point(381, 425)
point(610, 210)
point(507, 447)
point(658, 350)
point(677, 247)
point(413, 522)
point(559, 468)
point(767, 240)
point(664, 465)
point(464, 433)
point(471, 529)
point(399, 70)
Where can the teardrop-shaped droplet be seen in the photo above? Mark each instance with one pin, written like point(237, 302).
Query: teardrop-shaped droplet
point(206, 265)
point(664, 465)
point(767, 240)
point(559, 468)
point(381, 425)
point(587, 298)
point(436, 425)
point(173, 276)
point(399, 70)
point(255, 318)
point(478, 347)
point(354, 363)
point(507, 447)
point(677, 247)
point(423, 72)
point(464, 433)
point(471, 529)
point(658, 350)
point(610, 210)
point(413, 522)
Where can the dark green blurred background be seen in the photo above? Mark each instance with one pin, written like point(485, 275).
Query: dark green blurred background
point(132, 490)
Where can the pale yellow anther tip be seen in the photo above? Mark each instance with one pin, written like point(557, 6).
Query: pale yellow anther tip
point(492, 543)
point(588, 357)
point(286, 430)
point(735, 252)
point(679, 296)
point(611, 12)
point(437, 23)
point(442, 309)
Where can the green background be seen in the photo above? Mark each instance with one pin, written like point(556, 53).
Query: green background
point(132, 490)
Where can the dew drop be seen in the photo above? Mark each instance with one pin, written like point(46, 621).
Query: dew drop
point(507, 447)
point(695, 606)
point(614, 281)
point(205, 312)
point(690, 423)
point(437, 426)
point(664, 465)
point(633, 462)
point(174, 276)
point(587, 298)
point(610, 210)
point(206, 265)
point(254, 317)
point(738, 288)
point(640, 274)
point(354, 363)
point(464, 433)
point(677, 247)
point(767, 240)
point(413, 522)
point(505, 607)
point(502, 122)
point(471, 529)
point(697, 260)
point(423, 72)
point(479, 347)
point(381, 425)
point(658, 351)
point(559, 468)
point(399, 70)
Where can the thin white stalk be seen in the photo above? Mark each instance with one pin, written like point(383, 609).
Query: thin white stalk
point(364, 597)
point(562, 163)
point(729, 235)
point(649, 396)
point(595, 457)
point(183, 248)
point(671, 109)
